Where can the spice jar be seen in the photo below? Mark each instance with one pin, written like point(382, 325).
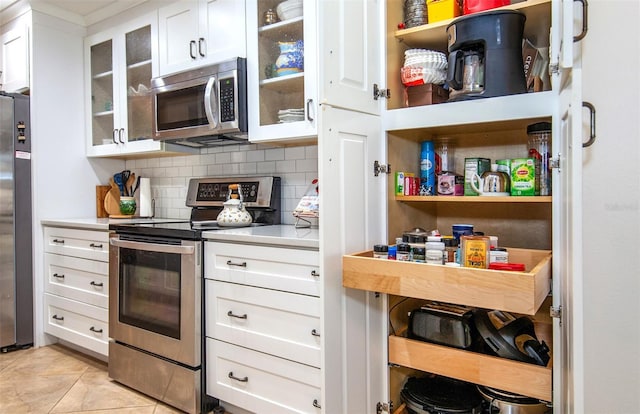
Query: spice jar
point(403, 252)
point(380, 251)
point(418, 254)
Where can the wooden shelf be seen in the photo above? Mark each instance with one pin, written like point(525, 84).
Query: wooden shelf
point(520, 292)
point(501, 373)
point(477, 199)
point(434, 36)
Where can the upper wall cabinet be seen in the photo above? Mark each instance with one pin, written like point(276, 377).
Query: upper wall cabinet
point(15, 56)
point(282, 69)
point(196, 33)
point(119, 66)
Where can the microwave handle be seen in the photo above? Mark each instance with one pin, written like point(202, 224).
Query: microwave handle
point(151, 247)
point(211, 103)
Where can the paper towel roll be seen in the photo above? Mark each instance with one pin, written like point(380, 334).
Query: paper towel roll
point(146, 208)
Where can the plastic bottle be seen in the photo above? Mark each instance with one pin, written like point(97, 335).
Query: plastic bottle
point(540, 149)
point(427, 169)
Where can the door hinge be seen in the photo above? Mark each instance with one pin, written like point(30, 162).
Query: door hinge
point(555, 312)
point(554, 69)
point(381, 168)
point(554, 162)
point(380, 93)
point(384, 407)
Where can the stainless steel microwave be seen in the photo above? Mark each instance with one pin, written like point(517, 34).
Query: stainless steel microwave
point(203, 106)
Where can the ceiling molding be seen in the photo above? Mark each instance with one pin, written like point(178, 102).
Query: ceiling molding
point(65, 11)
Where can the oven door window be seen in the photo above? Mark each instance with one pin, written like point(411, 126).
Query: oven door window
point(149, 296)
point(182, 108)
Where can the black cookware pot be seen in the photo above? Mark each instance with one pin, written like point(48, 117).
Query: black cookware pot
point(503, 402)
point(441, 395)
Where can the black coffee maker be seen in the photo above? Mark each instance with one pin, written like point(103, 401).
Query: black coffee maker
point(485, 55)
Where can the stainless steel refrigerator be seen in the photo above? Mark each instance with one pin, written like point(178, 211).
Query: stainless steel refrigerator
point(16, 268)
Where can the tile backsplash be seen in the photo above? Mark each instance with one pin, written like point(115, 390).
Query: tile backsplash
point(296, 166)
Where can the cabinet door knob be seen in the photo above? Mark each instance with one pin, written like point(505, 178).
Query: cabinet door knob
point(592, 124)
point(315, 333)
point(113, 136)
point(92, 329)
point(96, 284)
point(309, 117)
point(316, 404)
point(192, 45)
point(230, 263)
point(201, 43)
point(58, 275)
point(58, 241)
point(121, 135)
point(315, 273)
point(245, 379)
point(233, 315)
point(58, 318)
point(96, 246)
point(585, 21)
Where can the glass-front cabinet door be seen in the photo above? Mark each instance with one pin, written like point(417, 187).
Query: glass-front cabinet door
point(282, 75)
point(122, 62)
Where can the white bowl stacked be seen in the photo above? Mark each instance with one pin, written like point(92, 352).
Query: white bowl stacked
point(423, 66)
point(289, 9)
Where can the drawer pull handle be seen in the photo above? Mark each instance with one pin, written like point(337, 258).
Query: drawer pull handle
point(230, 313)
point(315, 404)
point(315, 274)
point(92, 329)
point(230, 263)
point(315, 333)
point(58, 276)
point(245, 379)
point(96, 246)
point(58, 318)
point(100, 284)
point(59, 241)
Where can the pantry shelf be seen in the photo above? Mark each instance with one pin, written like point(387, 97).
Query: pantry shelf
point(476, 199)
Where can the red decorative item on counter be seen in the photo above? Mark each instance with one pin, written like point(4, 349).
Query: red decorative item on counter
point(516, 267)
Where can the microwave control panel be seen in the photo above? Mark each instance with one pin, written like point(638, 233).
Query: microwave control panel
point(227, 100)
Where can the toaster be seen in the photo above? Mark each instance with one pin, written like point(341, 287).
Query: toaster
point(443, 324)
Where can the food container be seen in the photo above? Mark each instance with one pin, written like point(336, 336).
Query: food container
point(426, 94)
point(523, 177)
point(443, 9)
point(474, 166)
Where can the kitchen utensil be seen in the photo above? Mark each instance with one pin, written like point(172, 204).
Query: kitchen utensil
point(125, 178)
point(129, 184)
point(117, 178)
point(137, 184)
point(492, 183)
point(506, 402)
point(233, 213)
point(485, 55)
point(101, 194)
point(442, 395)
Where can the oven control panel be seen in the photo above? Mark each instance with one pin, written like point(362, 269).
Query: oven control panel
point(256, 191)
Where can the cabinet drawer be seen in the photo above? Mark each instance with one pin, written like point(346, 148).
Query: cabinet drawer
point(292, 270)
point(79, 279)
point(261, 383)
point(77, 322)
point(500, 373)
point(88, 244)
point(520, 292)
point(278, 323)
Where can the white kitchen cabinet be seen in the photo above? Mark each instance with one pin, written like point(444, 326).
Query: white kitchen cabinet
point(120, 63)
point(495, 126)
point(285, 103)
point(197, 33)
point(263, 326)
point(76, 288)
point(14, 71)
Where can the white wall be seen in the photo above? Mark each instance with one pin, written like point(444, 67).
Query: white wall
point(611, 210)
point(63, 178)
point(297, 166)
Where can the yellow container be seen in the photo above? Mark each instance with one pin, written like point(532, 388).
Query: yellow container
point(442, 9)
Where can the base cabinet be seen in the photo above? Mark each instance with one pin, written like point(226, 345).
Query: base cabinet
point(76, 287)
point(263, 327)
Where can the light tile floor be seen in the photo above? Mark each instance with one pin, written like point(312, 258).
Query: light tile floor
point(55, 379)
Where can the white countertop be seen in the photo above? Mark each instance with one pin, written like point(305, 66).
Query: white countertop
point(99, 223)
point(282, 235)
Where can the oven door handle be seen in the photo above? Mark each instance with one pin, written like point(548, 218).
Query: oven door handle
point(152, 247)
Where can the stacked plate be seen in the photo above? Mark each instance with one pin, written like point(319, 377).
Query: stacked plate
point(291, 115)
point(423, 66)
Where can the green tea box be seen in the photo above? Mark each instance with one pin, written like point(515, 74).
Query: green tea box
point(523, 177)
point(471, 166)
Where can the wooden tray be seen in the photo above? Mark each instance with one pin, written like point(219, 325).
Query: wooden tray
point(519, 292)
point(501, 373)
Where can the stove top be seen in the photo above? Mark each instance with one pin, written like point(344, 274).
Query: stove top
point(206, 196)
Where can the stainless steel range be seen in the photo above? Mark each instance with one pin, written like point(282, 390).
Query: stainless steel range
point(156, 313)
